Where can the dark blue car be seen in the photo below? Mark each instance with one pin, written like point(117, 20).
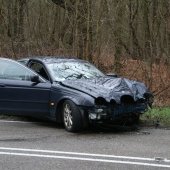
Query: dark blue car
point(70, 91)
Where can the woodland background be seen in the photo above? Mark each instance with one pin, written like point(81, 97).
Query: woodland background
point(128, 37)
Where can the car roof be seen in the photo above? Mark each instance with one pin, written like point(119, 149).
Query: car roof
point(3, 58)
point(53, 59)
point(8, 59)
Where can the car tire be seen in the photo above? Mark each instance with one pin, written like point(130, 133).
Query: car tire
point(72, 117)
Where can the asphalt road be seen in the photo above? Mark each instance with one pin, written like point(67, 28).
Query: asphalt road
point(26, 145)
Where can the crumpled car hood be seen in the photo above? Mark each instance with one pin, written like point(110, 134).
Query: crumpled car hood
point(108, 87)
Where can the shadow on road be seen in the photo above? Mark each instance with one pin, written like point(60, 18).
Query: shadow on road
point(97, 128)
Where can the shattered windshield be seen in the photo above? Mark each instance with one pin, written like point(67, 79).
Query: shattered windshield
point(71, 70)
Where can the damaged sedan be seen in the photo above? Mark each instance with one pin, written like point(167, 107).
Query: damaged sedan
point(70, 91)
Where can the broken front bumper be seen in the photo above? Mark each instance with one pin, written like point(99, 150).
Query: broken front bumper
point(116, 112)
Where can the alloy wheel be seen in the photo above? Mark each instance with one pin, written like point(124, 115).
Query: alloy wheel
point(68, 118)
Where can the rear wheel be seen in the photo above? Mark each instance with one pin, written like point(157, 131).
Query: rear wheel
point(72, 117)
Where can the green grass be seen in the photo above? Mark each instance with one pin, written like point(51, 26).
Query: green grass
point(161, 114)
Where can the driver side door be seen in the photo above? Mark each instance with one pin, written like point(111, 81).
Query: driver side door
point(18, 94)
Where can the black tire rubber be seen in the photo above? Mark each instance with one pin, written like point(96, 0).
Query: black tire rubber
point(77, 122)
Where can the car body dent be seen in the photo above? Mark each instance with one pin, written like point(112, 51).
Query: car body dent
point(84, 92)
point(109, 88)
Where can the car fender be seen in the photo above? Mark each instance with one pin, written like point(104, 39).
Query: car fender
point(58, 96)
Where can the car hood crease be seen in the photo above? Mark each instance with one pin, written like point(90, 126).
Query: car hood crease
point(108, 88)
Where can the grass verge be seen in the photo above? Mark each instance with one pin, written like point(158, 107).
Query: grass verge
point(157, 115)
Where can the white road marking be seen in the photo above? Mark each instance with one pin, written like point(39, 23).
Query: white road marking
point(7, 149)
point(85, 159)
point(77, 153)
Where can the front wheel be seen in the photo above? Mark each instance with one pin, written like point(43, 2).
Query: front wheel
point(72, 117)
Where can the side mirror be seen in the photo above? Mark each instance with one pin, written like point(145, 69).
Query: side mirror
point(35, 79)
point(112, 75)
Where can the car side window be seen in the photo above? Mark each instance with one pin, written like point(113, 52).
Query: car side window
point(14, 71)
point(37, 67)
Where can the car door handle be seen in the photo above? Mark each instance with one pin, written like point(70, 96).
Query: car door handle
point(2, 85)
